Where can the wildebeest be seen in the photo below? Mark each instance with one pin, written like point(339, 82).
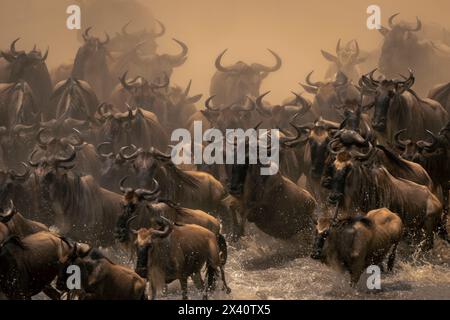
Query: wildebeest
point(330, 95)
point(403, 49)
point(232, 84)
point(18, 104)
point(30, 67)
point(136, 126)
point(274, 203)
point(360, 183)
point(143, 94)
point(101, 279)
point(190, 189)
point(398, 107)
point(91, 65)
point(355, 243)
point(75, 99)
point(76, 205)
point(434, 156)
point(29, 265)
point(124, 40)
point(441, 94)
point(176, 253)
point(12, 223)
point(346, 61)
point(147, 207)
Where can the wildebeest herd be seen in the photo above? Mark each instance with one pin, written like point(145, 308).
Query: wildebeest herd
point(85, 163)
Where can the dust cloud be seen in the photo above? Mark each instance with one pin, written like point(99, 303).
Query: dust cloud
point(295, 29)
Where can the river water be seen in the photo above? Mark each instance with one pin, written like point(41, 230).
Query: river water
point(260, 267)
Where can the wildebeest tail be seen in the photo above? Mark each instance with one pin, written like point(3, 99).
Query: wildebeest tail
point(223, 249)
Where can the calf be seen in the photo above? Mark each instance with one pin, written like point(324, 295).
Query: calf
point(353, 244)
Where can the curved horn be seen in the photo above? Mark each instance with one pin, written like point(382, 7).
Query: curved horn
point(218, 63)
point(360, 155)
point(9, 214)
point(77, 134)
point(338, 47)
point(163, 29)
point(401, 143)
point(30, 159)
point(106, 40)
point(42, 144)
point(149, 194)
point(124, 83)
point(357, 50)
point(168, 227)
point(157, 153)
point(260, 106)
point(122, 188)
point(127, 225)
point(44, 57)
point(310, 83)
point(418, 26)
point(130, 156)
point(331, 148)
point(124, 28)
point(208, 104)
point(100, 153)
point(391, 20)
point(86, 33)
point(188, 88)
point(23, 175)
point(12, 47)
point(69, 158)
point(276, 67)
point(431, 146)
point(178, 59)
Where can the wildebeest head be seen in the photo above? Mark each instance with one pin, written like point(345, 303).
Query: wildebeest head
point(147, 244)
point(281, 115)
point(135, 202)
point(330, 95)
point(385, 93)
point(233, 83)
point(50, 169)
point(322, 232)
point(340, 173)
point(145, 163)
point(161, 65)
point(231, 116)
point(400, 48)
point(116, 127)
point(318, 135)
point(346, 58)
point(113, 165)
point(124, 39)
point(9, 179)
point(25, 65)
point(143, 93)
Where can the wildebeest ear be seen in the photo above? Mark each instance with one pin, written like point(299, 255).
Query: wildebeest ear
point(330, 57)
point(194, 99)
point(384, 31)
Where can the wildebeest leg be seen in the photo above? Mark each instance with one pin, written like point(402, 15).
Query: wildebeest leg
point(52, 293)
point(442, 229)
point(198, 281)
point(183, 284)
point(224, 281)
point(391, 258)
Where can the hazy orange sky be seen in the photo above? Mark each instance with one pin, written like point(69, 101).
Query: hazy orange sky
point(295, 29)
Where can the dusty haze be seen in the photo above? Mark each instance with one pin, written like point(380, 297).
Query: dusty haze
point(295, 29)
